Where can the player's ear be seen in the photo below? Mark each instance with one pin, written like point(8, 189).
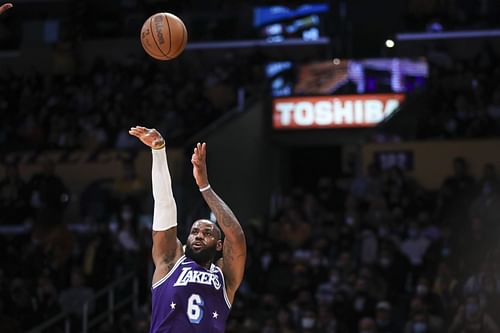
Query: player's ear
point(219, 245)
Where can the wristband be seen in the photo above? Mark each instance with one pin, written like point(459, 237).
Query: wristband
point(160, 147)
point(205, 188)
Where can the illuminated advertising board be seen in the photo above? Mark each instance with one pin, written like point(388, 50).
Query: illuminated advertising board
point(342, 111)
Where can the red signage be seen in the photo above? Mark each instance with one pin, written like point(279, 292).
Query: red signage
point(333, 111)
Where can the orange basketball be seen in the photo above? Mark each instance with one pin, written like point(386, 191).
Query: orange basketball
point(163, 36)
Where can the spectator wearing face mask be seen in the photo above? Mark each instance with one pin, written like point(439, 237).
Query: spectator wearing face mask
point(363, 302)
point(424, 291)
point(392, 267)
point(446, 286)
point(471, 318)
point(422, 323)
point(420, 315)
point(486, 208)
point(308, 322)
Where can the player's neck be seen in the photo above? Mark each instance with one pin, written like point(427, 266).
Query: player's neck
point(205, 265)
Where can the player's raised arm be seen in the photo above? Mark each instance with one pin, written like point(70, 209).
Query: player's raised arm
point(4, 7)
point(234, 249)
point(167, 249)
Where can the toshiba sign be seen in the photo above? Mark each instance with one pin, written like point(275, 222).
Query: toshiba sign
point(333, 111)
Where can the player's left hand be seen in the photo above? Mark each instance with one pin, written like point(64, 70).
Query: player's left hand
point(199, 160)
point(4, 7)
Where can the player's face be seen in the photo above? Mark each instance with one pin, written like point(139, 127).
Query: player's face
point(203, 242)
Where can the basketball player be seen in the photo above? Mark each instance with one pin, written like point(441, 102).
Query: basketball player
point(4, 7)
point(191, 292)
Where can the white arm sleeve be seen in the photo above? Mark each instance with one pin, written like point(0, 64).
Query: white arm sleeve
point(165, 210)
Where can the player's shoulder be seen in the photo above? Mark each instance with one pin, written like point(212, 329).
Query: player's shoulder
point(163, 272)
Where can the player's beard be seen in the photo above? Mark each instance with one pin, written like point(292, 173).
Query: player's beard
point(202, 257)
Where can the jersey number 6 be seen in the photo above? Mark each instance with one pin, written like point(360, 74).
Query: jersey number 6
point(194, 308)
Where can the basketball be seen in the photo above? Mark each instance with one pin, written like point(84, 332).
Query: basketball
point(163, 36)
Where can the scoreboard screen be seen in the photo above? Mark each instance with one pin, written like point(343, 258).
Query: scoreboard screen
point(278, 23)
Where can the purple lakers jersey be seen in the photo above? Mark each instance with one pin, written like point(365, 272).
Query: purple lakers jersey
point(190, 298)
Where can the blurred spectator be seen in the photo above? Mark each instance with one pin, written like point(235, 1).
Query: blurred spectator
point(367, 325)
point(129, 186)
point(471, 317)
point(433, 302)
point(456, 193)
point(393, 268)
point(284, 321)
point(415, 246)
point(97, 203)
point(386, 323)
point(490, 177)
point(76, 295)
point(100, 259)
point(363, 303)
point(23, 304)
point(14, 196)
point(47, 303)
point(48, 194)
point(7, 323)
point(421, 320)
point(486, 205)
point(446, 286)
point(422, 323)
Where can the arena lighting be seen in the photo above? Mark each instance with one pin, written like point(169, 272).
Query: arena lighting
point(239, 44)
point(447, 35)
point(389, 43)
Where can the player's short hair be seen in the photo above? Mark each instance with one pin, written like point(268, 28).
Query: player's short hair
point(218, 231)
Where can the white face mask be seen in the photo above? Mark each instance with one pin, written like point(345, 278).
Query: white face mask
point(126, 215)
point(419, 327)
point(385, 262)
point(422, 290)
point(308, 322)
point(359, 304)
point(334, 279)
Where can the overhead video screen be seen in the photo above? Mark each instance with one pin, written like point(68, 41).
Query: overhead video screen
point(346, 76)
point(278, 23)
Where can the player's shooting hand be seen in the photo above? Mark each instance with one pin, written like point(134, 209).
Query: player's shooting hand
point(149, 136)
point(199, 160)
point(4, 7)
